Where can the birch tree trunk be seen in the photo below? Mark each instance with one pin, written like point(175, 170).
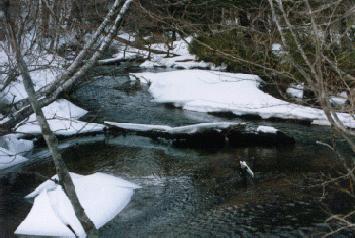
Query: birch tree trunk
point(63, 174)
point(78, 68)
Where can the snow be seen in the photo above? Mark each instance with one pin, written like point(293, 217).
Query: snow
point(13, 143)
point(15, 91)
point(62, 115)
point(102, 196)
point(180, 62)
point(63, 108)
point(184, 60)
point(295, 91)
point(180, 48)
point(244, 165)
point(277, 49)
point(9, 159)
point(127, 36)
point(43, 221)
point(338, 101)
point(63, 118)
point(266, 129)
point(343, 94)
point(212, 91)
point(63, 127)
point(173, 130)
point(124, 55)
point(12, 149)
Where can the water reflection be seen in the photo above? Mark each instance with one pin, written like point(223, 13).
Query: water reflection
point(190, 193)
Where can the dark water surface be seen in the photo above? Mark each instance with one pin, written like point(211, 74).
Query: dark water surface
point(185, 192)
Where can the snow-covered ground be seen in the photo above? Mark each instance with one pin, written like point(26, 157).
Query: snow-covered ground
point(212, 91)
point(63, 118)
point(102, 196)
point(15, 144)
point(295, 91)
point(180, 57)
point(13, 149)
point(340, 100)
point(9, 158)
point(43, 70)
point(62, 115)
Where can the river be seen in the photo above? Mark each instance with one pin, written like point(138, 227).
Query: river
point(185, 192)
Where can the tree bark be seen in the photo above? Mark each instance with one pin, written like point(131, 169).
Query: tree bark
point(76, 70)
point(63, 174)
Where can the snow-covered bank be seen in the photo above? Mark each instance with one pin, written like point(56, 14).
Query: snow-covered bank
point(9, 158)
point(62, 115)
point(211, 91)
point(15, 144)
point(180, 62)
point(102, 196)
point(12, 150)
point(41, 76)
point(209, 135)
point(295, 91)
point(180, 57)
point(63, 118)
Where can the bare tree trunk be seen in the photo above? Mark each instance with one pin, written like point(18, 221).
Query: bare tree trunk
point(63, 174)
point(77, 69)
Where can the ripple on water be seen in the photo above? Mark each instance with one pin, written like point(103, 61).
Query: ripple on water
point(185, 193)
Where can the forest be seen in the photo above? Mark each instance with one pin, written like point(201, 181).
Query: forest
point(177, 118)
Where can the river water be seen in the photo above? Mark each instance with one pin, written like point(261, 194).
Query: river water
point(185, 192)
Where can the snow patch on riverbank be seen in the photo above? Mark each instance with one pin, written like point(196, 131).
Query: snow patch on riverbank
point(63, 118)
point(41, 77)
point(296, 91)
point(15, 144)
point(102, 196)
point(9, 158)
point(211, 91)
point(12, 149)
point(179, 56)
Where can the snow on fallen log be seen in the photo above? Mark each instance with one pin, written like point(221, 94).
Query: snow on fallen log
point(62, 116)
point(203, 135)
point(122, 57)
point(172, 130)
point(212, 91)
point(102, 196)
